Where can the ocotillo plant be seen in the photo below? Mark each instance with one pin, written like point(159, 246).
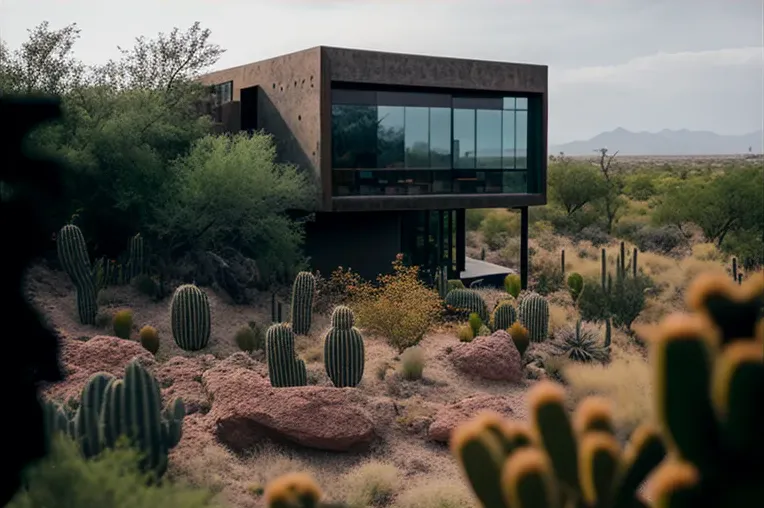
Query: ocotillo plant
point(73, 256)
point(137, 260)
point(284, 368)
point(344, 356)
point(190, 317)
point(303, 290)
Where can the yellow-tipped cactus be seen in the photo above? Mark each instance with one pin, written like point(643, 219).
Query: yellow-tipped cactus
point(555, 463)
point(293, 490)
point(150, 339)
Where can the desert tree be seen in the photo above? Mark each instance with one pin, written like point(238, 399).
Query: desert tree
point(573, 184)
point(612, 200)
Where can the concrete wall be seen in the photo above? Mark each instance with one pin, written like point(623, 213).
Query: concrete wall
point(367, 242)
point(288, 102)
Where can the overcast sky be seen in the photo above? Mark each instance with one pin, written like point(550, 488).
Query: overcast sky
point(637, 64)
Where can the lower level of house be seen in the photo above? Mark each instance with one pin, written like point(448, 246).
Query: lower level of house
point(367, 242)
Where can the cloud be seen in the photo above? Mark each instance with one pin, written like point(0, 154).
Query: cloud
point(647, 69)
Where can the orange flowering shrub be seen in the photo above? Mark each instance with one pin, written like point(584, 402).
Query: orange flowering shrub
point(400, 307)
point(336, 290)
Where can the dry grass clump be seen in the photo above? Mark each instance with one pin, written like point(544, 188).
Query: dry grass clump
point(412, 363)
point(626, 381)
point(438, 495)
point(560, 317)
point(373, 483)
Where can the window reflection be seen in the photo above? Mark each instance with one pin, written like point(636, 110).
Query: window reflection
point(417, 137)
point(464, 138)
point(440, 137)
point(354, 136)
point(390, 137)
point(488, 139)
point(420, 147)
point(521, 140)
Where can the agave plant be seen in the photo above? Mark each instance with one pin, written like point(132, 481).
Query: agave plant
point(581, 344)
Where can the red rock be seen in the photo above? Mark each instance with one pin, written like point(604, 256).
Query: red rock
point(181, 376)
point(246, 409)
point(449, 417)
point(494, 357)
point(100, 354)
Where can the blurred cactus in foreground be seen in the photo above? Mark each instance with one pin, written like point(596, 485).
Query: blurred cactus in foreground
point(707, 449)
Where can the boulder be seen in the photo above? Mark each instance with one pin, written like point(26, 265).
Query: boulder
point(449, 417)
point(493, 357)
point(246, 410)
point(181, 376)
point(102, 353)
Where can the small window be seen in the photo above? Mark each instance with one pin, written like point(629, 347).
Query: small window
point(223, 92)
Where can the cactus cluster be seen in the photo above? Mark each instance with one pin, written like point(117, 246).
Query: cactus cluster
point(303, 289)
point(534, 315)
point(503, 315)
point(73, 256)
point(284, 368)
point(190, 317)
point(467, 301)
point(344, 356)
point(110, 408)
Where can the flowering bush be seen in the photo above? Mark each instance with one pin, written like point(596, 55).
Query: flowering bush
point(398, 307)
point(335, 290)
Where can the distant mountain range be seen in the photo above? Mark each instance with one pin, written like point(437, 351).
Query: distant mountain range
point(665, 142)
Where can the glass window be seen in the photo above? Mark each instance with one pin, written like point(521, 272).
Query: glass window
point(464, 138)
point(522, 103)
point(390, 137)
point(521, 140)
point(508, 140)
point(488, 138)
point(509, 103)
point(515, 182)
point(417, 137)
point(440, 137)
point(354, 136)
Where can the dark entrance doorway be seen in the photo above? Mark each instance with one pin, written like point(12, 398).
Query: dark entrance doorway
point(433, 238)
point(248, 99)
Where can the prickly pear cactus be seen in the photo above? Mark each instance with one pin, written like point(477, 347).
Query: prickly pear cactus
point(87, 421)
point(133, 407)
point(284, 368)
point(190, 316)
point(467, 301)
point(504, 315)
point(302, 302)
point(534, 315)
point(344, 357)
point(73, 256)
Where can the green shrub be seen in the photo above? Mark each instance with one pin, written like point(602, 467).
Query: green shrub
point(123, 324)
point(65, 479)
point(146, 285)
point(412, 363)
point(465, 333)
point(513, 284)
point(454, 284)
point(246, 338)
point(498, 226)
point(575, 285)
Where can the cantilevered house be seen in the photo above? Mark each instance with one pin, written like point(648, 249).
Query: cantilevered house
point(402, 145)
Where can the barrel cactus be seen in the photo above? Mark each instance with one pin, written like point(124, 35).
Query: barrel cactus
point(87, 421)
point(190, 316)
point(137, 251)
point(284, 368)
point(343, 350)
point(467, 301)
point(133, 407)
point(302, 302)
point(534, 315)
point(73, 256)
point(504, 315)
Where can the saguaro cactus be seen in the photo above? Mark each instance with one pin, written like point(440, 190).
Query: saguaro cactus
point(133, 408)
point(190, 316)
point(56, 419)
point(468, 301)
point(87, 420)
point(284, 368)
point(302, 302)
point(343, 350)
point(534, 315)
point(504, 315)
point(73, 256)
point(137, 261)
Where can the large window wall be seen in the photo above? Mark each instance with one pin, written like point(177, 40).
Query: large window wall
point(389, 143)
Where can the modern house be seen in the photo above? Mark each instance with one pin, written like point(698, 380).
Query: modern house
point(401, 146)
